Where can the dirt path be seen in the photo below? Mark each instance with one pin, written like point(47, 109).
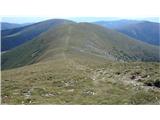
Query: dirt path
point(70, 62)
point(66, 43)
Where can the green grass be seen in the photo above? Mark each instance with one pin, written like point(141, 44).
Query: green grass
point(74, 80)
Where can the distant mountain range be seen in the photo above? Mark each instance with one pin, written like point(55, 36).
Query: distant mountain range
point(6, 26)
point(116, 24)
point(145, 31)
point(148, 32)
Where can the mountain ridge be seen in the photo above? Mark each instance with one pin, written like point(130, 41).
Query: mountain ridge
point(80, 38)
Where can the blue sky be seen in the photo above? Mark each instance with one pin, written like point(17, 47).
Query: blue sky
point(77, 19)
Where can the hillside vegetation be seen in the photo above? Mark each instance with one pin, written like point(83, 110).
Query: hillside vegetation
point(83, 38)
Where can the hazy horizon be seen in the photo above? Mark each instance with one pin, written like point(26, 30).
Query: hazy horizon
point(21, 20)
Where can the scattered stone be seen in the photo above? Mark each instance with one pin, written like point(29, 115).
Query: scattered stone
point(27, 94)
point(15, 93)
point(145, 76)
point(89, 92)
point(49, 95)
point(103, 68)
point(28, 100)
point(136, 78)
point(5, 96)
point(71, 90)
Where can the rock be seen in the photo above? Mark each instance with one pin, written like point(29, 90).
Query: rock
point(71, 90)
point(49, 95)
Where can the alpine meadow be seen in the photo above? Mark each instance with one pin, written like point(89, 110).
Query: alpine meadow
point(62, 61)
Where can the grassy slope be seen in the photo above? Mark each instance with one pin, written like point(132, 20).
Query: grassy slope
point(82, 38)
point(80, 79)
